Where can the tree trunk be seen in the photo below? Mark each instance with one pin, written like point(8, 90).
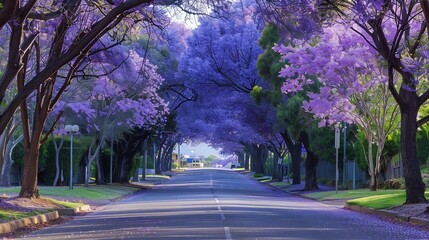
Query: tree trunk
point(158, 161)
point(275, 167)
point(101, 169)
point(310, 164)
point(7, 165)
point(29, 183)
point(373, 185)
point(123, 168)
point(295, 153)
point(57, 158)
point(125, 149)
point(414, 186)
point(247, 160)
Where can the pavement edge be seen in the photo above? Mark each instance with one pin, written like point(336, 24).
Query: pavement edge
point(72, 211)
point(388, 214)
point(15, 224)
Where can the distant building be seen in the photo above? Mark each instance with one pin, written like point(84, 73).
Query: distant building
point(195, 162)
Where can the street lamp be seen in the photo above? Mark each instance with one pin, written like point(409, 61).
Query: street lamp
point(337, 146)
point(71, 129)
point(344, 155)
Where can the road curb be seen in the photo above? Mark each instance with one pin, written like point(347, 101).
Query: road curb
point(15, 224)
point(72, 211)
point(389, 214)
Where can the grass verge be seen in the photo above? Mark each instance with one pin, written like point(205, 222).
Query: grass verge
point(8, 215)
point(382, 201)
point(92, 192)
point(66, 204)
point(349, 194)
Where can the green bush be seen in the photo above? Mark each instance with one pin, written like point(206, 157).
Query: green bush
point(426, 182)
point(258, 175)
point(326, 181)
point(395, 183)
point(330, 182)
point(47, 164)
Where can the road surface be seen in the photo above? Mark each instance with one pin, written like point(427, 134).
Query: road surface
point(221, 204)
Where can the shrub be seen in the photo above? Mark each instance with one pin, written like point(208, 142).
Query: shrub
point(258, 175)
point(326, 181)
point(391, 184)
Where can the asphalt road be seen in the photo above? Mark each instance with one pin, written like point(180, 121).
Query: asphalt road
point(220, 204)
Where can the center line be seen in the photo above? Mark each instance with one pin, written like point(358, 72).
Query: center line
point(222, 216)
point(227, 233)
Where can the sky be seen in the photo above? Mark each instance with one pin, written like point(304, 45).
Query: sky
point(201, 149)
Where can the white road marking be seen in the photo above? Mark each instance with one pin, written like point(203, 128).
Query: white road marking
point(222, 216)
point(227, 233)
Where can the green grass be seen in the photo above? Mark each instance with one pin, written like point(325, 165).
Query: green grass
point(92, 192)
point(7, 215)
point(280, 184)
point(66, 204)
point(263, 179)
point(382, 201)
point(157, 176)
point(348, 194)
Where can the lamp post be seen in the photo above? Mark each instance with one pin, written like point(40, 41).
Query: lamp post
point(344, 154)
point(337, 146)
point(71, 129)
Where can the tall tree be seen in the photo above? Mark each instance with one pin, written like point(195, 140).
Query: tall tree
point(293, 124)
point(354, 86)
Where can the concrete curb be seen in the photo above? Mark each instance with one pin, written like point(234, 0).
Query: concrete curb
point(389, 214)
point(41, 218)
point(72, 211)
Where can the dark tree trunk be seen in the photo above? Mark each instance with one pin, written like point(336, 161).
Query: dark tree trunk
point(247, 160)
point(374, 182)
point(123, 167)
point(102, 169)
point(415, 188)
point(158, 162)
point(310, 164)
point(295, 153)
point(29, 183)
point(259, 155)
point(125, 150)
point(167, 157)
point(275, 166)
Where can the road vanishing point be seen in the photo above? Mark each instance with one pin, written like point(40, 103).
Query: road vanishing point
point(222, 204)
